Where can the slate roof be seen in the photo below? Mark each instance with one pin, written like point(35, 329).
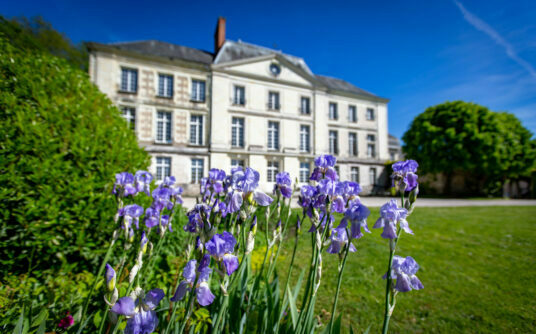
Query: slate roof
point(341, 85)
point(164, 49)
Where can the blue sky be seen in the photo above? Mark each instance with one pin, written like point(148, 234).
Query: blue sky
point(417, 53)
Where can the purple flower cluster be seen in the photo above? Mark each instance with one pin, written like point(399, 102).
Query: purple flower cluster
point(405, 172)
point(140, 312)
point(221, 247)
point(283, 185)
point(404, 270)
point(390, 215)
point(202, 290)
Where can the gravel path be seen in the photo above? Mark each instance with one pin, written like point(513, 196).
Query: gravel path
point(189, 202)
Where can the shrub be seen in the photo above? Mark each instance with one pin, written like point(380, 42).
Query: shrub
point(61, 142)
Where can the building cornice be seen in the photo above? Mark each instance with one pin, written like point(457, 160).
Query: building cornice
point(271, 115)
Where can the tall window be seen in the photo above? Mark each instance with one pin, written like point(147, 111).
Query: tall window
point(237, 163)
point(273, 135)
point(305, 171)
point(370, 114)
point(129, 80)
point(197, 170)
point(333, 142)
point(305, 106)
point(129, 114)
point(305, 135)
point(272, 170)
point(163, 168)
point(372, 176)
point(165, 85)
point(338, 170)
point(273, 101)
point(196, 130)
point(352, 144)
point(354, 174)
point(333, 113)
point(163, 127)
point(237, 132)
point(239, 97)
point(371, 146)
point(352, 114)
point(198, 91)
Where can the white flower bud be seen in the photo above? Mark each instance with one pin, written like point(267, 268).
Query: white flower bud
point(133, 273)
point(318, 240)
point(250, 243)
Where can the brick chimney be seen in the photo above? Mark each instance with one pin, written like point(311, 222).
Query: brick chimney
point(219, 35)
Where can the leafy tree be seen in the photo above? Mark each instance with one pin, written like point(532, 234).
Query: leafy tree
point(458, 136)
point(61, 142)
point(38, 35)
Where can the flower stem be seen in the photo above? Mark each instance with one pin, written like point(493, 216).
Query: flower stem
point(339, 280)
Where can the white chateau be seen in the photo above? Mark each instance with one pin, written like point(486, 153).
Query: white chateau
point(243, 105)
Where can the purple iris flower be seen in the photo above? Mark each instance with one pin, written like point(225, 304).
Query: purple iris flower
point(390, 215)
point(348, 189)
point(221, 247)
point(339, 238)
point(261, 198)
point(325, 160)
point(283, 184)
point(162, 198)
point(404, 270)
point(142, 181)
point(176, 193)
point(327, 187)
point(169, 181)
point(124, 185)
point(131, 214)
point(357, 216)
point(406, 171)
point(110, 277)
point(213, 184)
point(322, 225)
point(142, 317)
point(234, 201)
point(196, 216)
point(203, 293)
point(152, 217)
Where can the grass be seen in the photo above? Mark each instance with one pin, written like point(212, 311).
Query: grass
point(477, 266)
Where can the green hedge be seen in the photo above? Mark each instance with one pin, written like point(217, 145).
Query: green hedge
point(61, 142)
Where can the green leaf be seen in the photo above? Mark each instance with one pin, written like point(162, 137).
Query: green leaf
point(293, 309)
point(20, 323)
point(42, 328)
point(40, 317)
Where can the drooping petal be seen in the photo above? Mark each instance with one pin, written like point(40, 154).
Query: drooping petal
point(124, 306)
point(181, 291)
point(379, 223)
point(261, 198)
point(189, 271)
point(231, 263)
point(153, 297)
point(405, 226)
point(389, 231)
point(403, 283)
point(204, 295)
point(409, 266)
point(416, 283)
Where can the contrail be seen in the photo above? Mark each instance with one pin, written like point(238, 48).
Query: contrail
point(476, 22)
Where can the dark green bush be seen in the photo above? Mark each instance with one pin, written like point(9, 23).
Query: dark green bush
point(61, 142)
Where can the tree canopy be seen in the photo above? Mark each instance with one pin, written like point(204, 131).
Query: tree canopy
point(36, 34)
point(466, 137)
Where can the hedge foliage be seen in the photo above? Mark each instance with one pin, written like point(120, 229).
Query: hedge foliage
point(61, 142)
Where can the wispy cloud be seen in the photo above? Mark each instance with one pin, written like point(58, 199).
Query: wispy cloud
point(479, 24)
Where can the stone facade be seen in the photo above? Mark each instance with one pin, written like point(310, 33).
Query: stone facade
point(363, 162)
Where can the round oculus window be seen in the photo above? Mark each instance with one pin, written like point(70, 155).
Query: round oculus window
point(275, 69)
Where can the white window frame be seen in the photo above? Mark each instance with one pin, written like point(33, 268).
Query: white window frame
point(333, 142)
point(163, 168)
point(352, 113)
point(238, 132)
point(274, 100)
point(239, 99)
point(305, 105)
point(305, 171)
point(198, 94)
point(273, 135)
point(353, 150)
point(165, 85)
point(372, 176)
point(354, 174)
point(235, 162)
point(305, 138)
point(370, 114)
point(129, 83)
point(333, 111)
point(165, 124)
point(272, 169)
point(196, 129)
point(129, 114)
point(371, 146)
point(197, 169)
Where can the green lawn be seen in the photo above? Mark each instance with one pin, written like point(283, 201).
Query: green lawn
point(478, 267)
